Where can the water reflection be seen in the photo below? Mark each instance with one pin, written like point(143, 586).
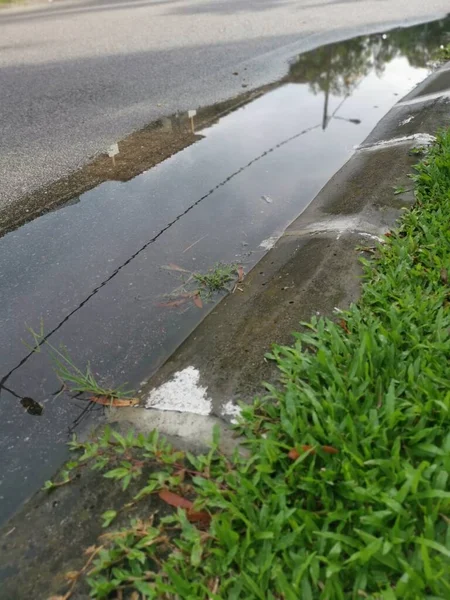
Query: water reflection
point(92, 268)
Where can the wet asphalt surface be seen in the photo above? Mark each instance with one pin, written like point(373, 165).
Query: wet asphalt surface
point(79, 75)
point(93, 270)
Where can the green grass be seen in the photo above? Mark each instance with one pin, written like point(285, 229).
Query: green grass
point(443, 54)
point(216, 279)
point(73, 379)
point(346, 491)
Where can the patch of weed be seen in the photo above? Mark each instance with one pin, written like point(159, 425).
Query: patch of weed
point(400, 189)
point(216, 279)
point(74, 379)
point(443, 53)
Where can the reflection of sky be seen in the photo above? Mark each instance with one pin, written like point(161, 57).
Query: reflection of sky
point(50, 265)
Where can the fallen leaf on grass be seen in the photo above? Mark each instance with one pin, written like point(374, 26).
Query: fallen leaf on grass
point(198, 301)
point(444, 276)
point(293, 454)
point(330, 450)
point(343, 323)
point(173, 499)
point(202, 518)
point(115, 402)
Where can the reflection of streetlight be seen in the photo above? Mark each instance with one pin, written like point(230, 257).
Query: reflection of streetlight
point(326, 119)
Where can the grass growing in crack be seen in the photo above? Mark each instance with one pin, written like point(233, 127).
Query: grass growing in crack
point(216, 279)
point(346, 491)
point(72, 378)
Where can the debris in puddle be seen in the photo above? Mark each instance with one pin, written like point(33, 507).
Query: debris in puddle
point(195, 243)
point(173, 267)
point(216, 279)
point(173, 303)
point(199, 287)
point(268, 199)
point(32, 407)
point(73, 379)
point(198, 301)
point(240, 272)
point(114, 402)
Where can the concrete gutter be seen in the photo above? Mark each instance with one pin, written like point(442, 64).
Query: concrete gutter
point(312, 269)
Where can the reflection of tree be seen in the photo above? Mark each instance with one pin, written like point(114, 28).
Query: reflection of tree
point(338, 68)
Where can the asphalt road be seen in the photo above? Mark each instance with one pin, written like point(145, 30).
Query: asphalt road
point(79, 75)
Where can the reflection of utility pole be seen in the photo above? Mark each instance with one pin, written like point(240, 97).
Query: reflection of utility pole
point(325, 119)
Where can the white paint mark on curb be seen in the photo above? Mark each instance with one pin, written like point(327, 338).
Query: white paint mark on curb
point(232, 410)
point(376, 238)
point(182, 393)
point(406, 121)
point(422, 139)
point(426, 98)
point(269, 243)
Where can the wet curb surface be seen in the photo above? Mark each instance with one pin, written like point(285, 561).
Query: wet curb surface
point(313, 268)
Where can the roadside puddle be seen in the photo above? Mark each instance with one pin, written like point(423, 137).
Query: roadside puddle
point(216, 185)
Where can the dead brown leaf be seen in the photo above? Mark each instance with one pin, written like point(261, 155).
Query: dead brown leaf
point(174, 303)
point(175, 499)
point(174, 267)
point(330, 450)
point(200, 517)
point(198, 301)
point(444, 276)
point(343, 323)
point(293, 454)
point(116, 402)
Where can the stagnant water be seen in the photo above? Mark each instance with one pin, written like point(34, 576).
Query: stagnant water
point(220, 186)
